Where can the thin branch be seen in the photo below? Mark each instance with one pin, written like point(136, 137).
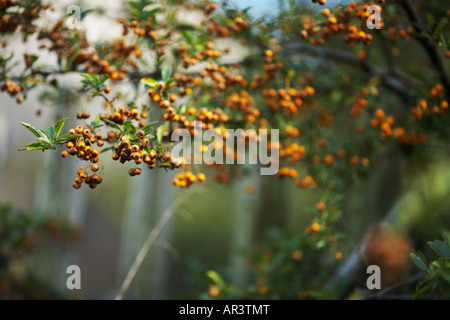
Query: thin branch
point(156, 231)
point(144, 251)
point(390, 80)
point(427, 43)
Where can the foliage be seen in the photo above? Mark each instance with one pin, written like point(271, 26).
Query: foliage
point(21, 236)
point(437, 279)
point(340, 94)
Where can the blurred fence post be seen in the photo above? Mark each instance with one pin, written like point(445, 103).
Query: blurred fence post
point(245, 197)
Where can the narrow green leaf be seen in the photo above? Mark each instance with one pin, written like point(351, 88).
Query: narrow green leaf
point(34, 146)
point(130, 137)
point(421, 291)
point(159, 149)
point(66, 137)
point(419, 260)
point(149, 128)
point(107, 149)
point(91, 77)
point(128, 126)
point(31, 128)
point(44, 136)
point(160, 133)
point(113, 124)
point(44, 141)
point(166, 72)
point(170, 81)
point(102, 79)
point(149, 82)
point(165, 164)
point(216, 278)
point(440, 247)
point(51, 133)
point(58, 126)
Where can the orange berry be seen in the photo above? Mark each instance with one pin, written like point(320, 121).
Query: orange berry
point(321, 206)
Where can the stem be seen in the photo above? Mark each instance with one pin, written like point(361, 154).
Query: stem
point(162, 222)
point(427, 43)
point(144, 251)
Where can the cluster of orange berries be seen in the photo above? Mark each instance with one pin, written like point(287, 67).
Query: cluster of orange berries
point(287, 172)
point(405, 34)
point(332, 25)
point(290, 99)
point(83, 115)
point(185, 179)
point(360, 103)
point(295, 151)
point(22, 17)
point(291, 131)
point(12, 89)
point(91, 180)
point(128, 151)
point(143, 28)
point(436, 93)
point(211, 52)
point(384, 122)
point(305, 183)
point(123, 114)
point(83, 146)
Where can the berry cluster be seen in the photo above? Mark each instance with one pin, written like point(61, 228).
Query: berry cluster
point(83, 148)
point(185, 179)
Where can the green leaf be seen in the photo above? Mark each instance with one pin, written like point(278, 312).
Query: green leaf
point(216, 278)
point(34, 146)
point(188, 36)
point(31, 128)
point(159, 149)
point(170, 81)
point(150, 136)
point(421, 291)
point(107, 149)
point(419, 260)
point(102, 79)
point(113, 124)
point(165, 164)
point(58, 126)
point(130, 137)
point(182, 109)
point(166, 72)
point(440, 247)
point(152, 83)
point(44, 136)
point(50, 133)
point(160, 133)
point(149, 128)
point(66, 137)
point(91, 77)
point(320, 244)
point(44, 141)
point(128, 126)
point(430, 18)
